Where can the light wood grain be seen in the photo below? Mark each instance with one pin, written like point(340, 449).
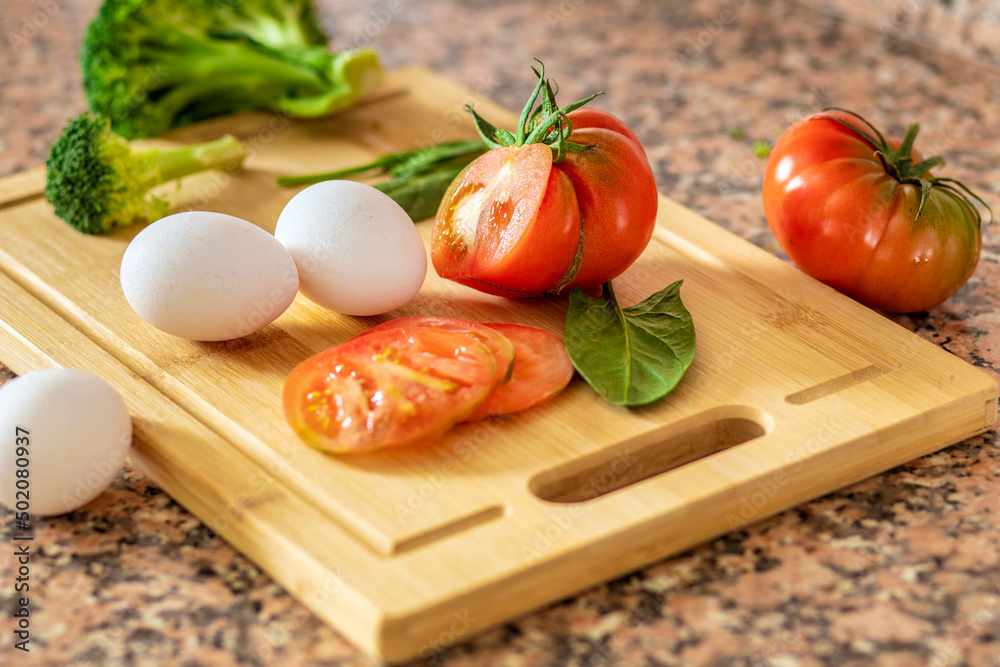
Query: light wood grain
point(16, 188)
point(794, 392)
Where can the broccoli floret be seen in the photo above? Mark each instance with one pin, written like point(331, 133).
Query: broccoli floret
point(96, 181)
point(154, 65)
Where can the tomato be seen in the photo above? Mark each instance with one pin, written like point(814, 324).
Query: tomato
point(533, 216)
point(532, 364)
point(502, 349)
point(395, 387)
point(854, 220)
point(489, 232)
point(542, 369)
point(590, 117)
point(618, 201)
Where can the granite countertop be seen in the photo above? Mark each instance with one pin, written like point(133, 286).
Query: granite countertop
point(900, 569)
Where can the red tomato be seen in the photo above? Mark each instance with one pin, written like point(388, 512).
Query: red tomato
point(532, 364)
point(845, 219)
point(509, 224)
point(590, 117)
point(502, 349)
point(542, 369)
point(517, 224)
point(389, 388)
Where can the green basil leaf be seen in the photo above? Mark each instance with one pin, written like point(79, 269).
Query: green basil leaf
point(634, 355)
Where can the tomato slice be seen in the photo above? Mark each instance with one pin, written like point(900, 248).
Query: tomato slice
point(509, 222)
point(394, 387)
point(503, 349)
point(542, 368)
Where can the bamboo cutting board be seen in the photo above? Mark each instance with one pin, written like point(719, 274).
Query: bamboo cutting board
point(795, 391)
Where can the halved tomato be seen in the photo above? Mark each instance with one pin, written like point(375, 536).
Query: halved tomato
point(503, 349)
point(542, 369)
point(509, 224)
point(398, 386)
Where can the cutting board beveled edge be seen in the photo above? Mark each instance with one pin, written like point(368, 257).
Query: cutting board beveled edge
point(401, 631)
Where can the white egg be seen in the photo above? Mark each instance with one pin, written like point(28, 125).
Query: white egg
point(208, 276)
point(357, 250)
point(64, 434)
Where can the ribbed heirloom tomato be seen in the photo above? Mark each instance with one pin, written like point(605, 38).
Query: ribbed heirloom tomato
point(864, 214)
point(567, 201)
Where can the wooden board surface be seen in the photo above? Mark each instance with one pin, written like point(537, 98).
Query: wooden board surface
point(795, 391)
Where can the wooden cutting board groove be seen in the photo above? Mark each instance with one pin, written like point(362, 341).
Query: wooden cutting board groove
point(795, 391)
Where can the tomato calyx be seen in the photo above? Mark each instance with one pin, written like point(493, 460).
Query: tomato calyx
point(898, 163)
point(541, 122)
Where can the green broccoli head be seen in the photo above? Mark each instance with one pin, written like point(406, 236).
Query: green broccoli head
point(96, 181)
point(154, 65)
point(93, 178)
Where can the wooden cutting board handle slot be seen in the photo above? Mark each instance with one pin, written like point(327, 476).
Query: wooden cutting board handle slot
point(653, 453)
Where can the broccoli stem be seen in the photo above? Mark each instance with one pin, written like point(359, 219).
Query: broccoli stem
point(201, 78)
point(351, 73)
point(235, 61)
point(210, 76)
point(282, 33)
point(226, 152)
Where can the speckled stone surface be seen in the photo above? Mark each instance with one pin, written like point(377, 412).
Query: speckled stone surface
point(966, 28)
point(901, 569)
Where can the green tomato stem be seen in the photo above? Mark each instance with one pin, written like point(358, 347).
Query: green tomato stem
point(540, 123)
point(898, 163)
